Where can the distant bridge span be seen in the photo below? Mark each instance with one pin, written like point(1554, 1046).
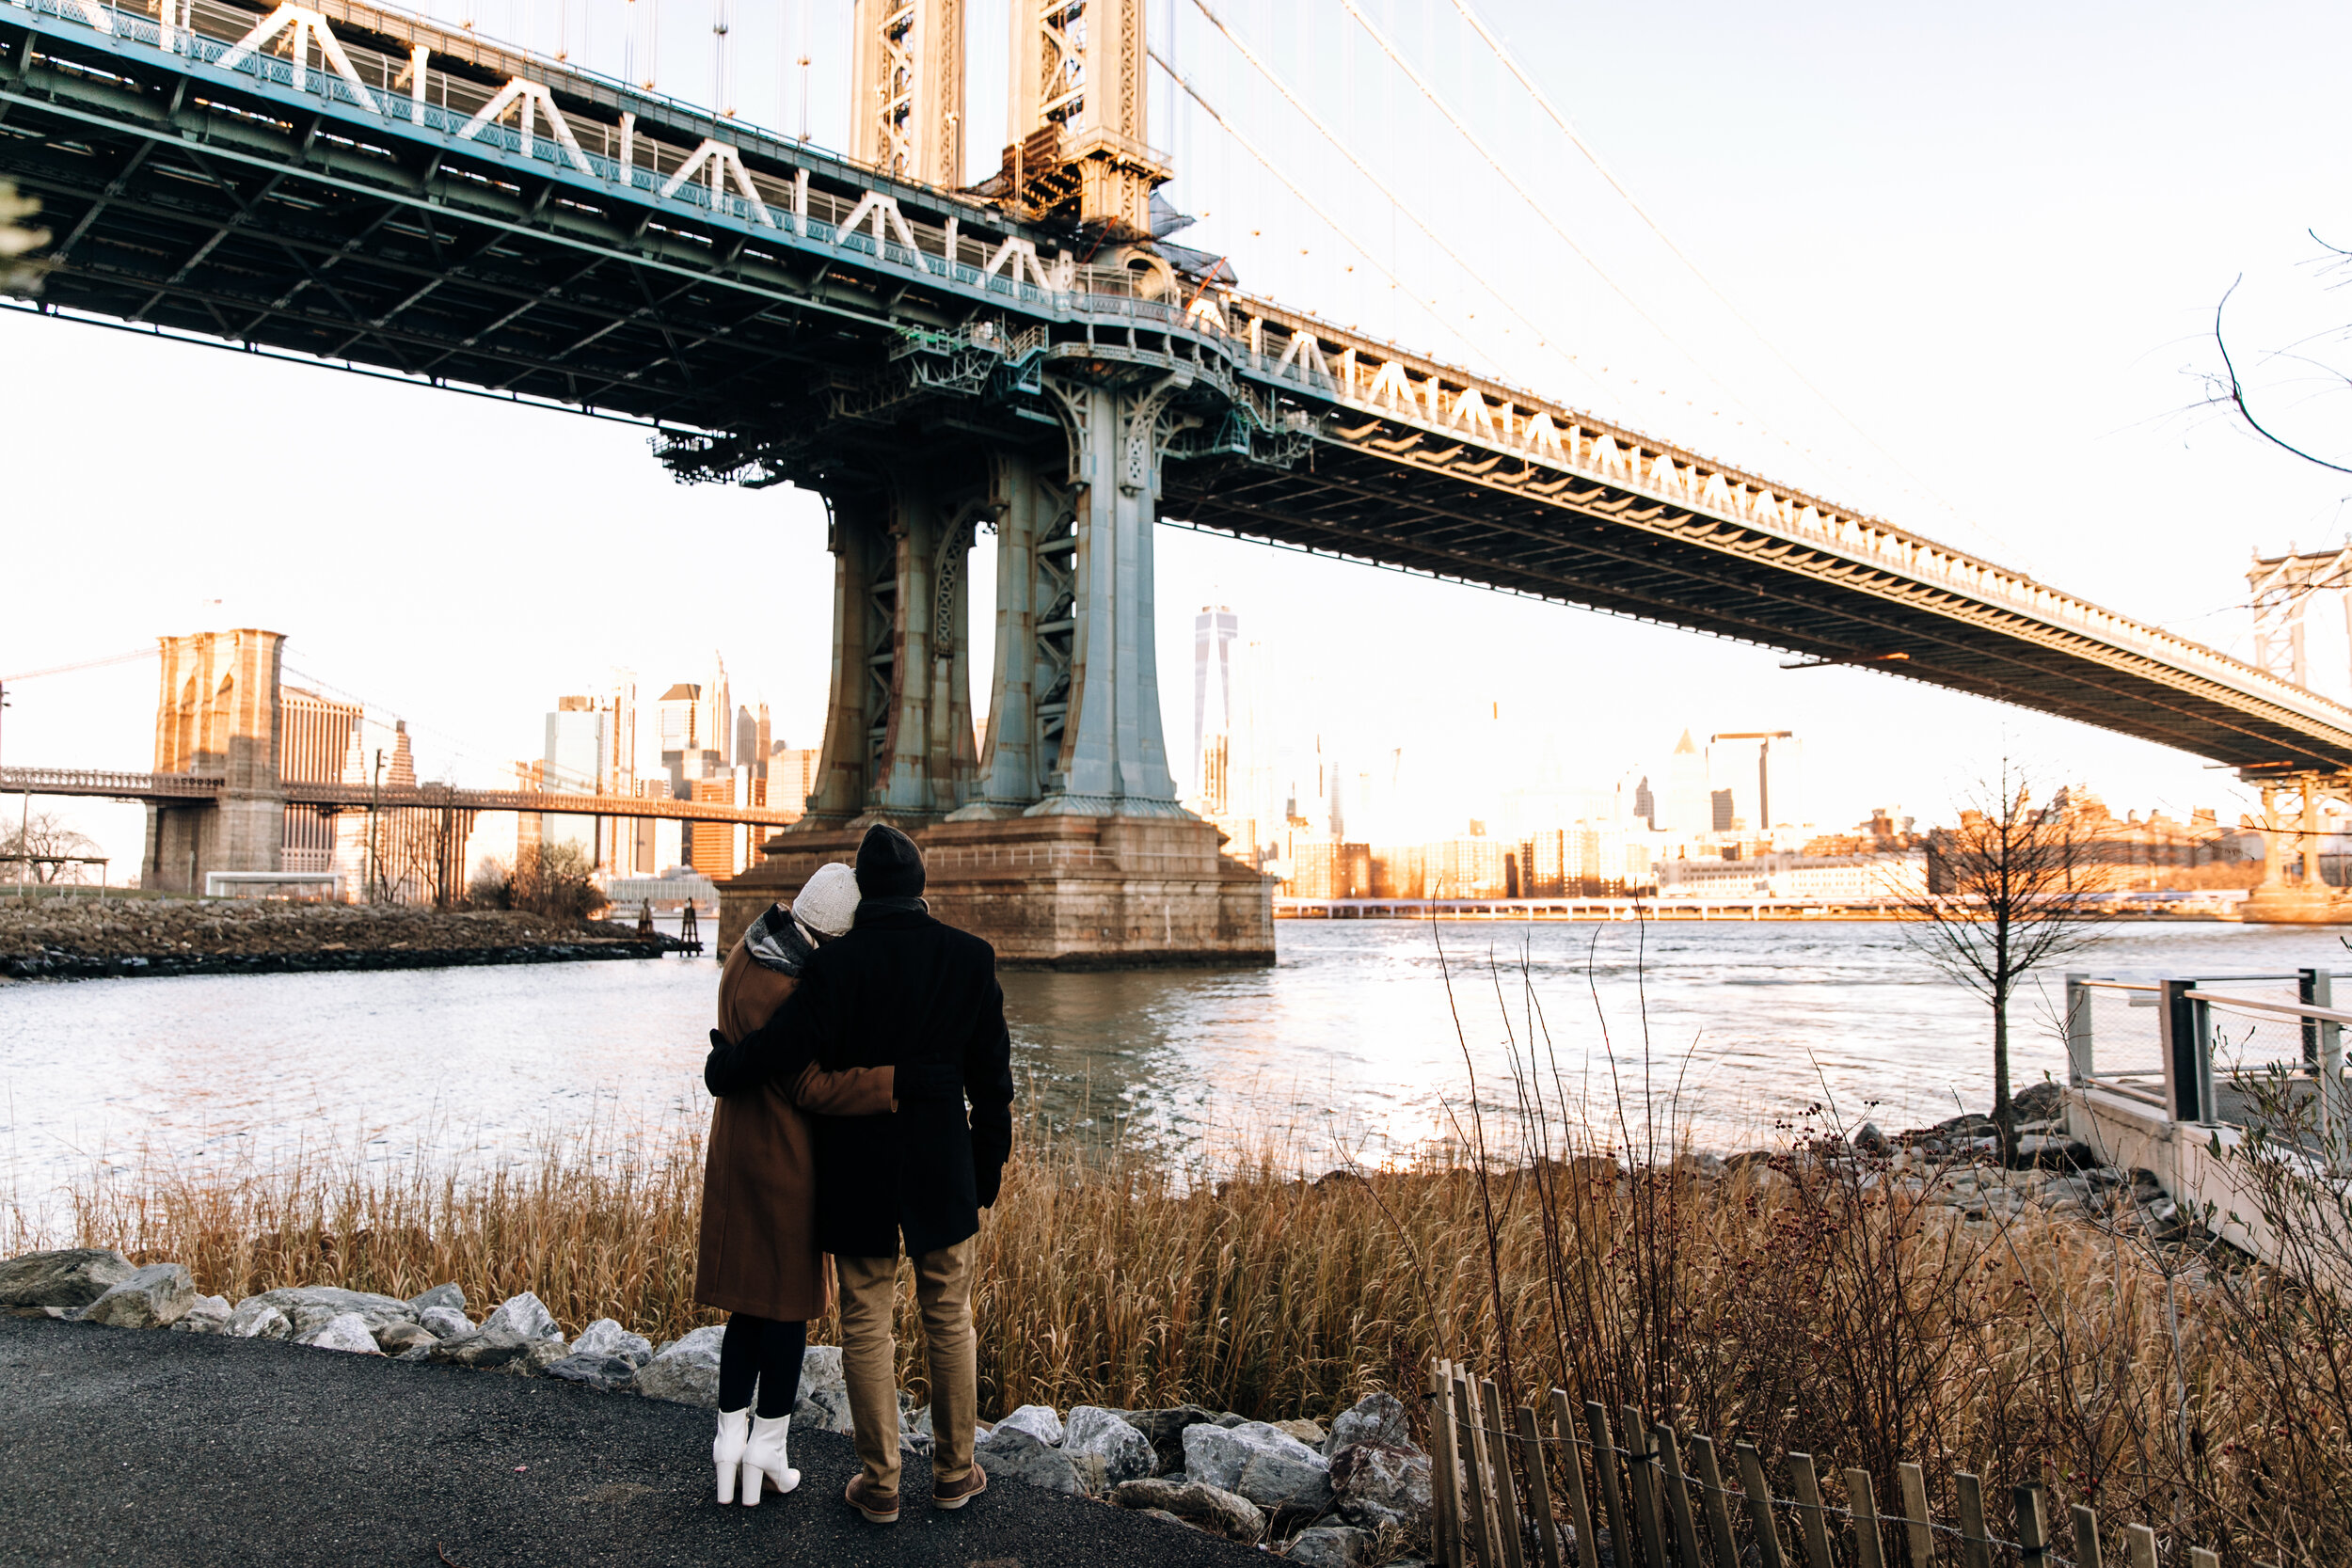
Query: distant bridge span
point(182, 788)
point(789, 315)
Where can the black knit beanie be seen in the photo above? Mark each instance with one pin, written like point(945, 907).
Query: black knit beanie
point(888, 865)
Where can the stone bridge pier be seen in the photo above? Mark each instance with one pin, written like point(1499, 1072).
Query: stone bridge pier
point(1060, 840)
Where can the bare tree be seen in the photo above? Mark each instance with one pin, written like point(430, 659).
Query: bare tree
point(37, 848)
point(2006, 894)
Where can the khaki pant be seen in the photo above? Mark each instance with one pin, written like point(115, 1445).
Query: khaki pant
point(943, 1289)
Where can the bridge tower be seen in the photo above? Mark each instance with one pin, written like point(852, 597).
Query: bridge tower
point(906, 89)
point(1063, 839)
point(1078, 144)
point(216, 715)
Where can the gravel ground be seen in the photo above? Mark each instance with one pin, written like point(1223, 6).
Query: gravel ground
point(187, 1449)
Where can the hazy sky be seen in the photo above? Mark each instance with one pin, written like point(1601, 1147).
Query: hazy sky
point(1995, 236)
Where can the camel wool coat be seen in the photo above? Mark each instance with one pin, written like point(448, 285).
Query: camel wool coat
point(758, 1235)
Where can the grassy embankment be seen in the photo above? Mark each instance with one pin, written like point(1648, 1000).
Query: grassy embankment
point(1802, 1305)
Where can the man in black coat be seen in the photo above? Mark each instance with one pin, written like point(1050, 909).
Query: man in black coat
point(904, 990)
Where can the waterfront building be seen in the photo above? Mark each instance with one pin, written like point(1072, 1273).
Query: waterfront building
point(1803, 877)
point(316, 738)
point(1758, 780)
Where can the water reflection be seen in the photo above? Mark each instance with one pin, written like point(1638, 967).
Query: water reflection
point(1354, 1043)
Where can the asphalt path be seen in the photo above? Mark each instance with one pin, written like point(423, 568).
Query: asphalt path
point(120, 1445)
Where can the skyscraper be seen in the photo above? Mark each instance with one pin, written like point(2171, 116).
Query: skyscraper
point(1686, 807)
point(718, 719)
point(1213, 633)
point(1762, 770)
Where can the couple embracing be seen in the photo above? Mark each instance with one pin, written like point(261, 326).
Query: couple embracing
point(863, 1082)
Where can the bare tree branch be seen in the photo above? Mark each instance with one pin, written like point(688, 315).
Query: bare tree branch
point(2237, 391)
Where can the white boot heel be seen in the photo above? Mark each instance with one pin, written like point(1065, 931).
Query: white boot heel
point(764, 1460)
point(727, 1452)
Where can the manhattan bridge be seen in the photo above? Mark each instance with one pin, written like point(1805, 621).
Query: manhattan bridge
point(360, 185)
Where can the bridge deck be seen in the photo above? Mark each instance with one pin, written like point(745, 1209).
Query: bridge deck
point(375, 224)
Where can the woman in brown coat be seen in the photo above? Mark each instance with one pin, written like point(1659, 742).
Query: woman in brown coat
point(759, 1258)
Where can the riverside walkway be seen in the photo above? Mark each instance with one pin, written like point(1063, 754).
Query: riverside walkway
point(190, 1450)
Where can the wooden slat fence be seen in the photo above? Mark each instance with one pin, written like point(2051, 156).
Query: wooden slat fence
point(1538, 1486)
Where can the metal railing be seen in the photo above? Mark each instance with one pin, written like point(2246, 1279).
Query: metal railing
point(2212, 1056)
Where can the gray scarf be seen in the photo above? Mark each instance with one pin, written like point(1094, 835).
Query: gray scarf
point(775, 941)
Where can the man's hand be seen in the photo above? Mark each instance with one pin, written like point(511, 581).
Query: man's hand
point(779, 1049)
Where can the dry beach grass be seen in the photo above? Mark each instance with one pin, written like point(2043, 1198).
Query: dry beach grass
point(1801, 1302)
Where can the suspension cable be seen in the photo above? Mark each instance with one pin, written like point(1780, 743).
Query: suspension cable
point(1402, 206)
point(1462, 127)
point(1295, 189)
point(1544, 102)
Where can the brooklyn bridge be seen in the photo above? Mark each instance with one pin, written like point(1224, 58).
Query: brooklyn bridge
point(353, 184)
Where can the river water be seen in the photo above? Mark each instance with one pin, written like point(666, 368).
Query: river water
point(1358, 1043)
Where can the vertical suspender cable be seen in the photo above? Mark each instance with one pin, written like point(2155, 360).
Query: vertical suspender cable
point(1543, 102)
point(1402, 206)
point(1276, 170)
point(1463, 130)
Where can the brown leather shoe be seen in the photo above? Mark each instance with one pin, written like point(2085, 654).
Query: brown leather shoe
point(955, 1494)
point(880, 1507)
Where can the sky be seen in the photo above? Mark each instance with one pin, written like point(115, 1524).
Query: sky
point(1984, 245)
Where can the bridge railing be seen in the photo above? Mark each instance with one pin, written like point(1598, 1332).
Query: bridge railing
point(92, 781)
point(711, 175)
point(1388, 382)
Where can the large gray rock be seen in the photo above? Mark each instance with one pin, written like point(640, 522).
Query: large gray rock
point(1038, 1422)
point(205, 1315)
point(346, 1331)
point(400, 1339)
point(1126, 1455)
point(1164, 1431)
point(74, 1278)
point(156, 1297)
point(823, 1403)
point(451, 1296)
point(607, 1338)
point(684, 1372)
point(606, 1373)
point(1379, 1483)
point(526, 1317)
point(1262, 1462)
point(1373, 1418)
point(445, 1322)
point(1015, 1451)
point(1208, 1508)
point(255, 1319)
point(320, 1302)
point(487, 1351)
point(1330, 1546)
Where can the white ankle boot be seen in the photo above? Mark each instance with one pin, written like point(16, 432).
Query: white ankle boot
point(727, 1453)
point(764, 1459)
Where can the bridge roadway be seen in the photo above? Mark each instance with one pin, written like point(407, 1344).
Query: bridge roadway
point(652, 261)
point(181, 788)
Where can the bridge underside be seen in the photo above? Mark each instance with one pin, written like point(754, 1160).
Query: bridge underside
point(1679, 569)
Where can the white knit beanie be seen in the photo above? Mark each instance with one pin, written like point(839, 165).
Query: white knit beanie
point(828, 905)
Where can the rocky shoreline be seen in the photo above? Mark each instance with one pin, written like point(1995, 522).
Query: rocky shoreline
point(126, 938)
point(1353, 1493)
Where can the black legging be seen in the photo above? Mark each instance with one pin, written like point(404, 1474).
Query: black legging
point(762, 1351)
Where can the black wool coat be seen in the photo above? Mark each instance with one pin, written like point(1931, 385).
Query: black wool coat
point(903, 991)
